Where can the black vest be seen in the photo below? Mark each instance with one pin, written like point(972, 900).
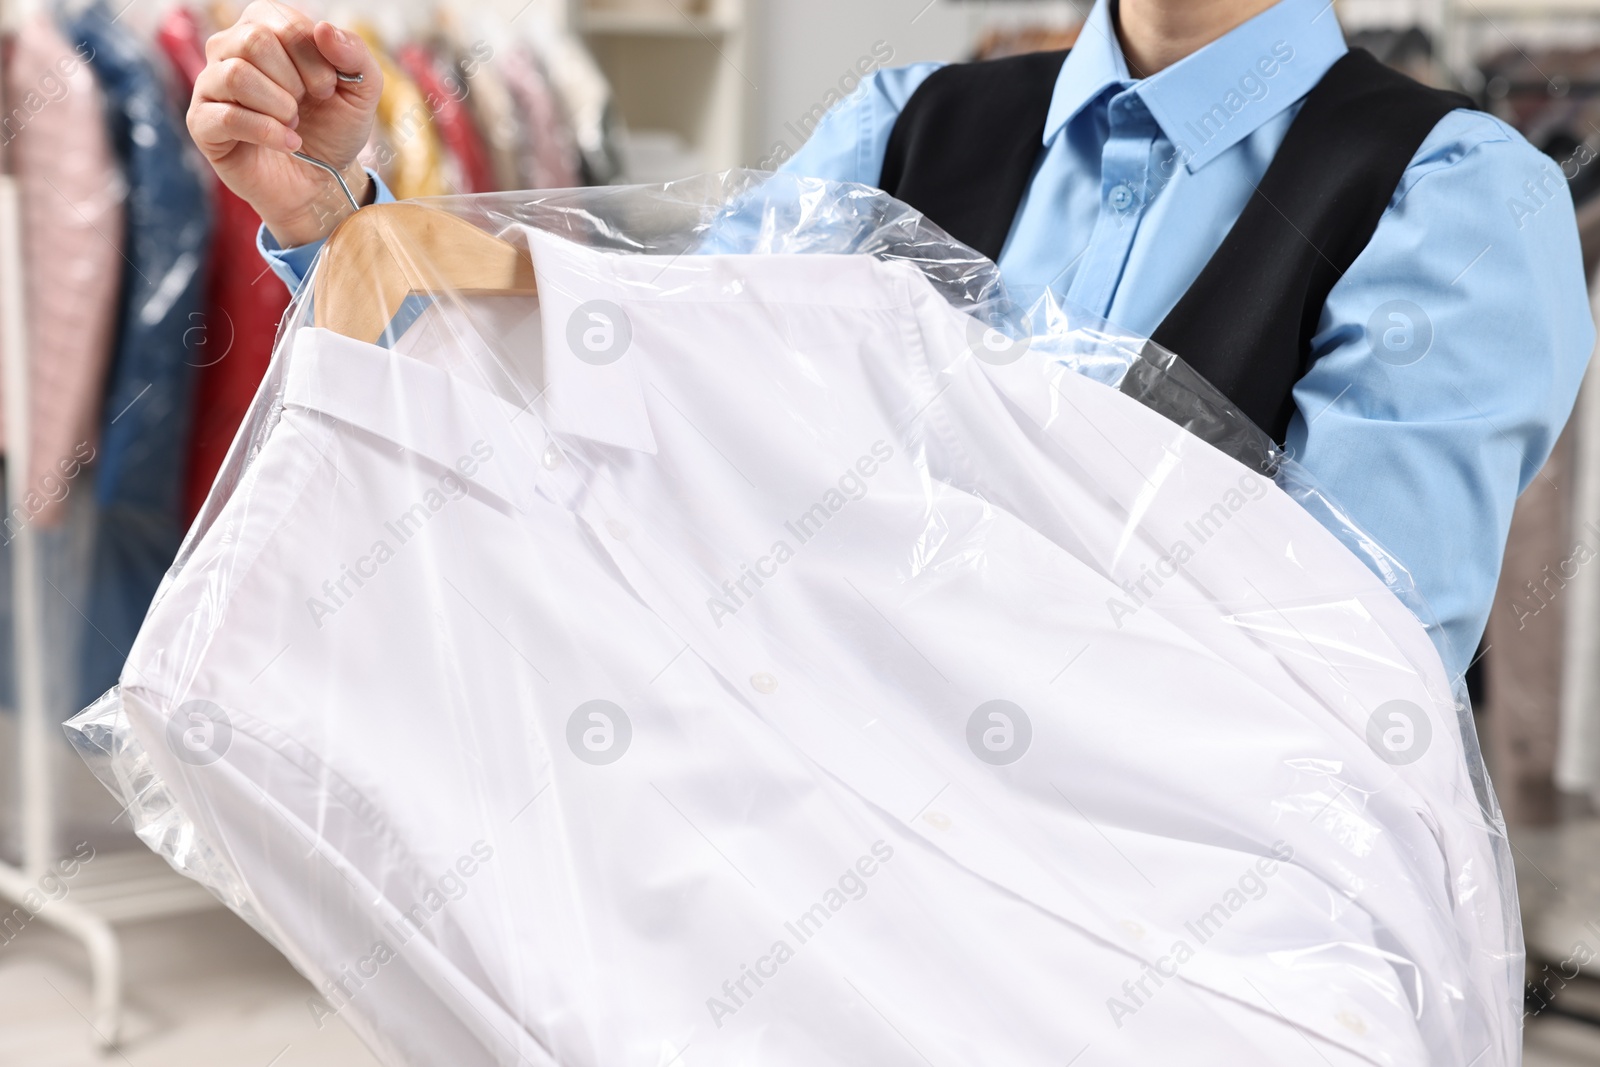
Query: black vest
point(965, 147)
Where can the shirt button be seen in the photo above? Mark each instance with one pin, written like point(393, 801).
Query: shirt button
point(616, 529)
point(937, 819)
point(552, 457)
point(1122, 197)
point(1352, 1022)
point(764, 682)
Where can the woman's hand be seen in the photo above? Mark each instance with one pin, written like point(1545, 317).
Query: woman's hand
point(270, 87)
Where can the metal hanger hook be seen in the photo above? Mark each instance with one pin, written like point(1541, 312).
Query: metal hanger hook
point(329, 167)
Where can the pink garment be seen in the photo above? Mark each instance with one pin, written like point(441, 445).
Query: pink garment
point(549, 150)
point(54, 132)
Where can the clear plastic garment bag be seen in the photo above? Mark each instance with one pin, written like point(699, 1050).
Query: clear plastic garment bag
point(708, 624)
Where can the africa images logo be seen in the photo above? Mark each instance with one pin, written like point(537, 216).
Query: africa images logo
point(1399, 732)
point(598, 332)
point(1400, 333)
point(999, 732)
point(599, 732)
point(199, 733)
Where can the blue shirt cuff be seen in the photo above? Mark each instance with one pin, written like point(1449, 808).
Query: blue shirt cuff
point(291, 265)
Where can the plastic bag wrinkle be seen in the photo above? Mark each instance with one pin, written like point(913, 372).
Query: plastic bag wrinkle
point(842, 622)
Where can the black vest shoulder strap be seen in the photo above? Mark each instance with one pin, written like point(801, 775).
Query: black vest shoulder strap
point(1247, 321)
point(965, 147)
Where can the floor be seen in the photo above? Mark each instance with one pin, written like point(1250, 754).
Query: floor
point(205, 991)
point(1554, 1042)
point(1558, 1043)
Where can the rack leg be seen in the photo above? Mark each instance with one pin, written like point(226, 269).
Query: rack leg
point(99, 939)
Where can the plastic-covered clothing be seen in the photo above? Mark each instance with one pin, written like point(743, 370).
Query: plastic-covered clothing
point(443, 89)
point(587, 100)
point(806, 663)
point(242, 310)
point(146, 416)
point(1410, 411)
point(494, 112)
point(550, 154)
point(72, 242)
point(405, 149)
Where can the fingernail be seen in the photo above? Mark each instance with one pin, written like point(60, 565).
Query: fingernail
point(293, 141)
point(294, 123)
point(340, 36)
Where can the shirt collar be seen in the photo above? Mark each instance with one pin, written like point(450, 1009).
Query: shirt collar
point(1210, 100)
point(593, 387)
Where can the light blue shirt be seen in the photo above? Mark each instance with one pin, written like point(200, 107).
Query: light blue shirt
point(292, 264)
point(1138, 182)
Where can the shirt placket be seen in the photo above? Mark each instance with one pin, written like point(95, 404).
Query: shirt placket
point(943, 811)
point(1125, 194)
point(763, 678)
point(940, 809)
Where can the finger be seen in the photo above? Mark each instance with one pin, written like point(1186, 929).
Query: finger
point(217, 127)
point(299, 40)
point(238, 81)
point(347, 52)
point(258, 44)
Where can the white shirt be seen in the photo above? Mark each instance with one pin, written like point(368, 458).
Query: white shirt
point(804, 540)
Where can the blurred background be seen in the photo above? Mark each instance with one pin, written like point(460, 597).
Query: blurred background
point(123, 264)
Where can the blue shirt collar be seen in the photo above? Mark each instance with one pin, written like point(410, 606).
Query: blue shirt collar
point(1210, 100)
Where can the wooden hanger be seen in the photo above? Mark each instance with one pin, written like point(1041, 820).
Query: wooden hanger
point(382, 254)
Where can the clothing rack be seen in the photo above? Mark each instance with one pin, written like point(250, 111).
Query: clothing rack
point(1462, 22)
point(119, 887)
point(1564, 88)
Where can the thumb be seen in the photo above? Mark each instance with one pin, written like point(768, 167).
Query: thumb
point(349, 54)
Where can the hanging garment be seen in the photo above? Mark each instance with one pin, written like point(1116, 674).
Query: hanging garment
point(72, 243)
point(405, 149)
point(1407, 49)
point(243, 305)
point(494, 113)
point(1000, 42)
point(1578, 751)
point(586, 101)
point(53, 136)
point(467, 165)
point(550, 154)
point(1524, 638)
point(716, 654)
point(147, 411)
point(1520, 84)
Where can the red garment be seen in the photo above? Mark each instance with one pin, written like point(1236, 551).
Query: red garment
point(244, 301)
point(443, 88)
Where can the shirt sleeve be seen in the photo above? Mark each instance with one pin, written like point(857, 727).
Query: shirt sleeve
point(846, 144)
point(292, 265)
point(849, 143)
point(1447, 361)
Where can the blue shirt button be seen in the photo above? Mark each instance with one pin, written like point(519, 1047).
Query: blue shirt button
point(1122, 197)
